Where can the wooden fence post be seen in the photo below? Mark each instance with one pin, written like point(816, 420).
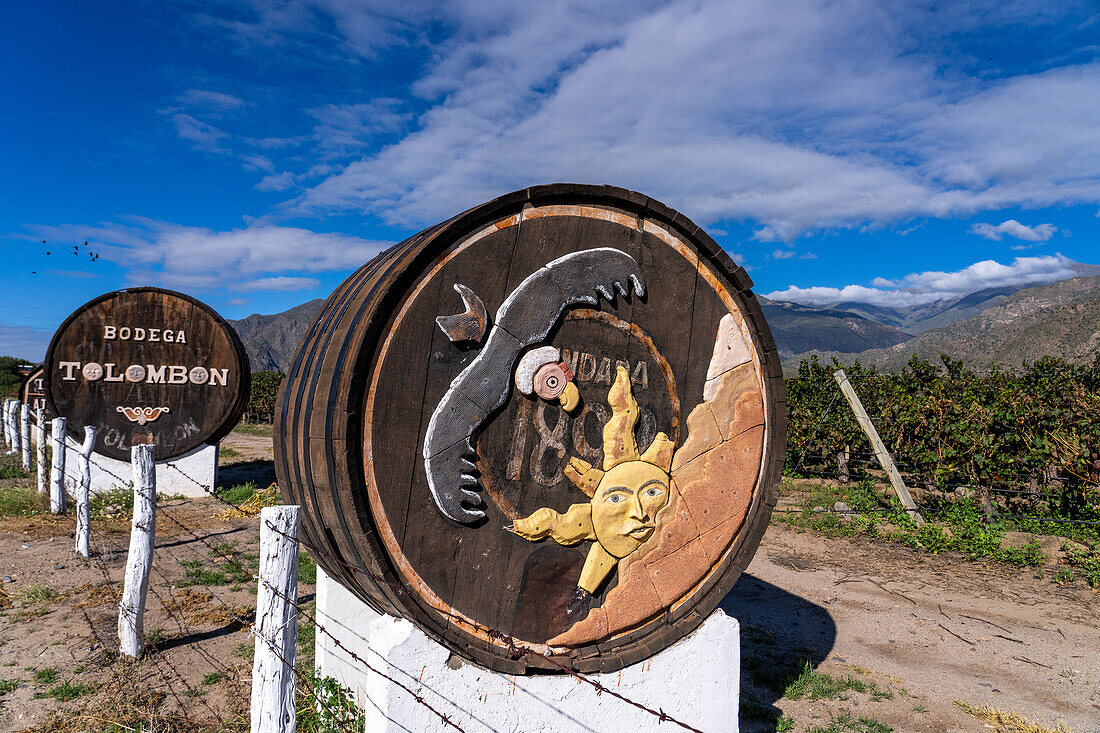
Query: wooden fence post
point(7, 423)
point(13, 425)
point(83, 493)
point(25, 435)
point(16, 443)
point(276, 630)
point(40, 438)
point(57, 469)
point(139, 560)
point(881, 453)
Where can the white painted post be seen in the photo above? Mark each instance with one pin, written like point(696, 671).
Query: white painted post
point(40, 438)
point(83, 493)
point(276, 627)
point(57, 469)
point(25, 435)
point(7, 422)
point(139, 560)
point(16, 446)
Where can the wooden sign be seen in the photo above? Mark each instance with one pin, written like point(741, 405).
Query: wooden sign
point(551, 426)
point(33, 391)
point(147, 365)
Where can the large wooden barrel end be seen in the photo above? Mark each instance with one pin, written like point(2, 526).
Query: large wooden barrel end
point(548, 431)
point(147, 365)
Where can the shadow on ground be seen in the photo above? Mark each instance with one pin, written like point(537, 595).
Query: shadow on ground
point(260, 472)
point(779, 633)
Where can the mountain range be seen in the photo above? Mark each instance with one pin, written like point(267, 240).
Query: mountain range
point(1007, 325)
point(1060, 319)
point(272, 340)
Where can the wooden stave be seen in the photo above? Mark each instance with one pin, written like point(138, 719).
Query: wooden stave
point(236, 409)
point(416, 252)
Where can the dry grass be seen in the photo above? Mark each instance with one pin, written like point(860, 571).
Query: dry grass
point(1005, 722)
point(132, 698)
point(199, 608)
point(251, 508)
point(97, 595)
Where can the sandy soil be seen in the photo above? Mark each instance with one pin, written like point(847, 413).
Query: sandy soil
point(74, 632)
point(927, 630)
point(938, 627)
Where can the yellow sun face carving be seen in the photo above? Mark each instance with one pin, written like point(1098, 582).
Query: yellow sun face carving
point(625, 496)
point(625, 506)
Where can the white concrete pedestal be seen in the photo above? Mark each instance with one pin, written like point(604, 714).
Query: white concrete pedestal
point(200, 464)
point(696, 680)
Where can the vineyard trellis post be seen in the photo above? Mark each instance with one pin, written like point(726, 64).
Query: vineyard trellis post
point(881, 453)
point(83, 493)
point(40, 445)
point(25, 435)
point(139, 559)
point(276, 630)
point(57, 467)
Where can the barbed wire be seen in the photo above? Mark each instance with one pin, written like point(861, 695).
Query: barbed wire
point(301, 612)
point(514, 646)
point(181, 623)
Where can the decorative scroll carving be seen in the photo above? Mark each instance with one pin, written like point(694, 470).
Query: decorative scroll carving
point(142, 415)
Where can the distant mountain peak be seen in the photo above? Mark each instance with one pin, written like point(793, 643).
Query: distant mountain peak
point(271, 340)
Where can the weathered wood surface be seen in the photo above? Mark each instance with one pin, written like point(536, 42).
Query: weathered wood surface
point(40, 447)
point(139, 559)
point(147, 366)
point(84, 493)
point(276, 632)
point(11, 434)
point(57, 465)
point(33, 390)
point(376, 369)
point(25, 434)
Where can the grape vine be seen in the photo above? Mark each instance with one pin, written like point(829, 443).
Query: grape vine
point(1029, 433)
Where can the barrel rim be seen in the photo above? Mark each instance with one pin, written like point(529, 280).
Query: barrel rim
point(357, 368)
point(233, 415)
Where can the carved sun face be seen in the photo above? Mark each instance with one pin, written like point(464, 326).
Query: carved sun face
point(625, 506)
point(626, 495)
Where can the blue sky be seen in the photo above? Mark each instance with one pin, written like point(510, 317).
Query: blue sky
point(254, 153)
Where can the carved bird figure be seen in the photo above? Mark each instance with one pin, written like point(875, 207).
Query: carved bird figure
point(468, 325)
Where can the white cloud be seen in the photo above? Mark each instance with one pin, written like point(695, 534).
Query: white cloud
point(276, 182)
point(203, 135)
point(193, 258)
point(798, 118)
point(289, 284)
point(919, 288)
point(782, 254)
point(348, 128)
point(209, 99)
point(1013, 228)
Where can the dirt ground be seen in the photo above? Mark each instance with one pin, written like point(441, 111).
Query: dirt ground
point(938, 627)
point(925, 630)
point(198, 631)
